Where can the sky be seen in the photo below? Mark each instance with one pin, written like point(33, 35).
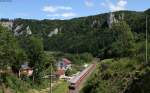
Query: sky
point(65, 9)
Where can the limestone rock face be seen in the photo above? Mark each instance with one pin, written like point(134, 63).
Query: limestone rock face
point(54, 32)
point(111, 19)
point(28, 30)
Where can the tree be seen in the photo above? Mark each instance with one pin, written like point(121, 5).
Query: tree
point(34, 48)
point(123, 44)
point(10, 52)
point(70, 72)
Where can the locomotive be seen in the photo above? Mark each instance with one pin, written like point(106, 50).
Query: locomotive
point(75, 82)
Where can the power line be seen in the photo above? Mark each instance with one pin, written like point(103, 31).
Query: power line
point(146, 42)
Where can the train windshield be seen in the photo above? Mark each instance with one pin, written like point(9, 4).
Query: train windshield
point(72, 88)
point(72, 84)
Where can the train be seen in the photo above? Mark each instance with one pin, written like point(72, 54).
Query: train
point(75, 82)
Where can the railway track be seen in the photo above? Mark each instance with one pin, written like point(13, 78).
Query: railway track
point(77, 82)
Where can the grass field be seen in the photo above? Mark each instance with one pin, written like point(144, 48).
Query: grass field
point(61, 88)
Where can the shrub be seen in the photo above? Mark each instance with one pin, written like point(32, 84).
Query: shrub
point(15, 84)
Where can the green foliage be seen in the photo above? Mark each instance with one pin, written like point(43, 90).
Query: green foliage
point(91, 34)
point(79, 58)
point(11, 54)
point(49, 60)
point(71, 71)
point(79, 40)
point(115, 76)
point(15, 84)
point(141, 51)
point(87, 57)
point(123, 44)
point(75, 58)
point(140, 85)
point(123, 75)
point(61, 88)
point(36, 56)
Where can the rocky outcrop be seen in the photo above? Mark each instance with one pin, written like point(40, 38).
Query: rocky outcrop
point(54, 32)
point(20, 30)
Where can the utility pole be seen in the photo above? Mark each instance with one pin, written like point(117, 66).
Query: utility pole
point(146, 42)
point(51, 79)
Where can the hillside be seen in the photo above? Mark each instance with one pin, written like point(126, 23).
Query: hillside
point(123, 75)
point(72, 35)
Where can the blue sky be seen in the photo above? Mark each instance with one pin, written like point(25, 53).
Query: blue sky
point(65, 9)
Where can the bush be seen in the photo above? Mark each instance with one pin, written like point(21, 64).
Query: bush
point(79, 58)
point(70, 72)
point(114, 76)
point(15, 84)
point(87, 57)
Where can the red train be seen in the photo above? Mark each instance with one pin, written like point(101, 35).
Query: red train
point(75, 82)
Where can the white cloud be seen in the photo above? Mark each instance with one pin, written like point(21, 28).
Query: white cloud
point(89, 3)
point(68, 14)
point(62, 15)
point(53, 15)
point(59, 12)
point(65, 7)
point(49, 9)
point(53, 9)
point(120, 5)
